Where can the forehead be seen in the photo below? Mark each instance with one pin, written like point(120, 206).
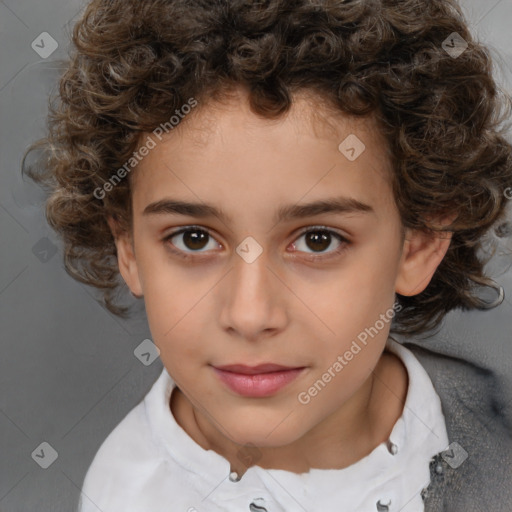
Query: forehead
point(224, 150)
point(309, 113)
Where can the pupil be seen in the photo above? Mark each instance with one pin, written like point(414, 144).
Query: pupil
point(317, 240)
point(195, 239)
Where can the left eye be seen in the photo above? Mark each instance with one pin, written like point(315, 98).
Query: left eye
point(318, 240)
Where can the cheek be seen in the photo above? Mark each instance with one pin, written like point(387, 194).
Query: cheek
point(372, 276)
point(169, 293)
point(348, 301)
point(178, 357)
point(180, 352)
point(350, 309)
point(177, 320)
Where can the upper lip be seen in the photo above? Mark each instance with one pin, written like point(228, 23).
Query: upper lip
point(253, 370)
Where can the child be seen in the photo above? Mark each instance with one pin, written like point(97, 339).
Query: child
point(290, 186)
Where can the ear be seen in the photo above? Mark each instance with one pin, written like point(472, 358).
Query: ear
point(126, 258)
point(422, 254)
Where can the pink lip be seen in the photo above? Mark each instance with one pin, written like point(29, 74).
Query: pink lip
point(257, 381)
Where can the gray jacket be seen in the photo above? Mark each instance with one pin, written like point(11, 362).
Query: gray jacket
point(475, 474)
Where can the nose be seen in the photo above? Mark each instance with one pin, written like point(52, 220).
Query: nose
point(255, 298)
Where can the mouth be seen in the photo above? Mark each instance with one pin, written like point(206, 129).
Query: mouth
point(257, 381)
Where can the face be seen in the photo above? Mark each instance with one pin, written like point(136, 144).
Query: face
point(260, 242)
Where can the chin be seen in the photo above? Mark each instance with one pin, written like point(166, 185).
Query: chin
point(265, 434)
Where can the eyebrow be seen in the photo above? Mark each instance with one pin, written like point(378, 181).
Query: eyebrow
point(341, 205)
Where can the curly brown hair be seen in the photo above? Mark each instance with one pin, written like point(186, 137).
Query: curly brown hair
point(134, 63)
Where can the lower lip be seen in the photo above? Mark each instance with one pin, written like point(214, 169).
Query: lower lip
point(259, 385)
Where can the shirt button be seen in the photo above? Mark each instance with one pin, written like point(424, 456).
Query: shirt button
point(439, 469)
point(392, 448)
point(233, 476)
point(383, 507)
point(257, 505)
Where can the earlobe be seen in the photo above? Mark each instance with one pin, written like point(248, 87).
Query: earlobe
point(422, 254)
point(126, 259)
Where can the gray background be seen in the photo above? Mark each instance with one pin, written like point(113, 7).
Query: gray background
point(68, 373)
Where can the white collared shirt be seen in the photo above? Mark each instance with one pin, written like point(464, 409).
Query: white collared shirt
point(148, 463)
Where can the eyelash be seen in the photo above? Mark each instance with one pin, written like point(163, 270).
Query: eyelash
point(344, 243)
